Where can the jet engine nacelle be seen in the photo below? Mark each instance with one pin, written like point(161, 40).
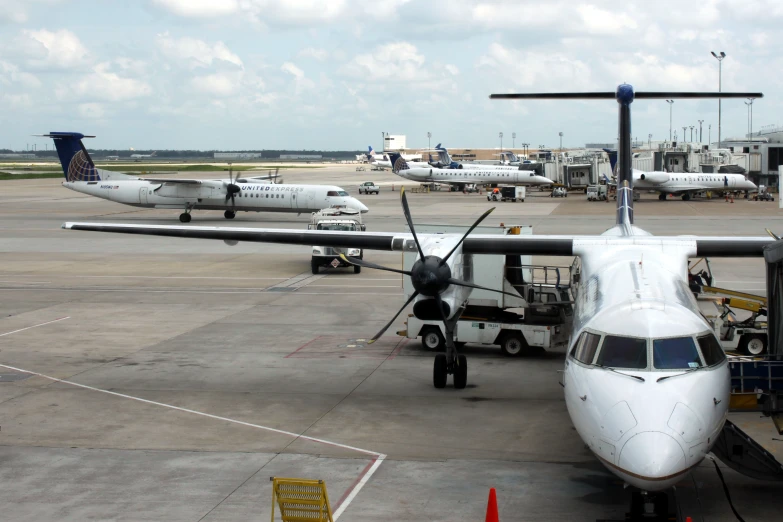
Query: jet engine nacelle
point(655, 177)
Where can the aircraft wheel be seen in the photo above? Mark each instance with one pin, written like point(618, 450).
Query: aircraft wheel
point(432, 339)
point(357, 269)
point(662, 197)
point(184, 217)
point(229, 214)
point(439, 372)
point(686, 197)
point(461, 373)
point(314, 266)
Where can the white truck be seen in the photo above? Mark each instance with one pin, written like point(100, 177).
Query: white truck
point(335, 218)
point(369, 187)
point(507, 194)
point(491, 318)
point(596, 193)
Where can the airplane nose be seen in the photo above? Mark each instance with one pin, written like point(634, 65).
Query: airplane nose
point(548, 181)
point(652, 455)
point(358, 205)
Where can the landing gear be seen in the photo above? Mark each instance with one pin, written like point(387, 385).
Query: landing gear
point(450, 362)
point(686, 197)
point(185, 217)
point(662, 197)
point(229, 214)
point(649, 507)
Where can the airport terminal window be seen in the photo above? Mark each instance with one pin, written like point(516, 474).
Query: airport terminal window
point(623, 352)
point(711, 350)
point(585, 348)
point(678, 353)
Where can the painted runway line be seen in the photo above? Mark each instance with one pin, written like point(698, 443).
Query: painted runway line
point(35, 326)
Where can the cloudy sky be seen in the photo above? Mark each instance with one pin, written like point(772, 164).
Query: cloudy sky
point(310, 74)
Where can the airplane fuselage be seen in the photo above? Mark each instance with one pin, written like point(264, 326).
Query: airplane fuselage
point(681, 182)
point(510, 176)
point(634, 305)
point(252, 197)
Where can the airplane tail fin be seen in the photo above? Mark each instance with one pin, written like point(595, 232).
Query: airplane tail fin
point(612, 158)
point(74, 158)
point(398, 163)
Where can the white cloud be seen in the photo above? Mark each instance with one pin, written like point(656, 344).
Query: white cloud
point(199, 8)
point(197, 53)
point(515, 64)
point(102, 84)
point(92, 111)
point(10, 75)
point(12, 11)
point(54, 49)
point(312, 52)
point(301, 82)
point(218, 84)
point(397, 62)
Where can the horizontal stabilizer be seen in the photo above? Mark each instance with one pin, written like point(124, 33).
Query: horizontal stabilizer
point(612, 95)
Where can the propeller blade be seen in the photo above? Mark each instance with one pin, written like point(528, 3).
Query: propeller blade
point(407, 212)
point(386, 327)
point(457, 282)
point(771, 233)
point(360, 262)
point(478, 221)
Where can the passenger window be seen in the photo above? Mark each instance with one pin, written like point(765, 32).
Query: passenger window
point(585, 347)
point(678, 353)
point(623, 352)
point(711, 350)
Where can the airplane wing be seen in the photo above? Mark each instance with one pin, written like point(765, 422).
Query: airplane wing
point(389, 241)
point(174, 181)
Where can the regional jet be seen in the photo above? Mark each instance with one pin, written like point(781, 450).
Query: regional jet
point(646, 381)
point(382, 161)
point(142, 156)
point(232, 195)
point(445, 161)
point(684, 184)
point(462, 177)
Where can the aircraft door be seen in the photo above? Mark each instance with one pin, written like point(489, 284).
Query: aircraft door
point(143, 191)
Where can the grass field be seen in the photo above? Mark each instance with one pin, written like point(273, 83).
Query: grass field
point(31, 175)
point(166, 168)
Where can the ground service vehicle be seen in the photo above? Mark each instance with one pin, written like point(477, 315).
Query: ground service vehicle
point(505, 320)
point(507, 194)
point(596, 193)
point(559, 192)
point(369, 187)
point(336, 218)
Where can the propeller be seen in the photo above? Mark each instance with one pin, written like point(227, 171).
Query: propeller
point(430, 275)
point(232, 188)
point(771, 233)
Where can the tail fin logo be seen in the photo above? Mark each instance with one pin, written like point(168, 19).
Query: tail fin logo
point(400, 164)
point(81, 168)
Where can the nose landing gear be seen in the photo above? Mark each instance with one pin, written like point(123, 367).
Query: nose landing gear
point(450, 363)
point(649, 507)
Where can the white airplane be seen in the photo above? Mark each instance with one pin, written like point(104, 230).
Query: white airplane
point(646, 381)
point(383, 161)
point(684, 184)
point(232, 195)
point(142, 156)
point(462, 177)
point(445, 161)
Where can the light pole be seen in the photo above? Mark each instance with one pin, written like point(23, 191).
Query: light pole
point(749, 103)
point(684, 136)
point(670, 102)
point(720, 58)
point(692, 127)
point(513, 139)
point(429, 135)
point(700, 122)
point(501, 141)
point(649, 141)
point(709, 134)
point(383, 141)
point(561, 140)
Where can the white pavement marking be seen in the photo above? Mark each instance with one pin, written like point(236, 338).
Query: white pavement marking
point(35, 326)
point(363, 479)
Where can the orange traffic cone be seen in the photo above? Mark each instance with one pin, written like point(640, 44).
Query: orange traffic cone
point(492, 507)
point(688, 519)
point(732, 198)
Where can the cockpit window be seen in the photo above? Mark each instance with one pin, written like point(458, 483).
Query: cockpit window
point(678, 353)
point(585, 347)
point(623, 352)
point(711, 350)
point(332, 193)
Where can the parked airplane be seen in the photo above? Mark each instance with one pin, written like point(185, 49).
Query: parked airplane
point(383, 161)
point(445, 161)
point(646, 381)
point(462, 177)
point(142, 156)
point(233, 195)
point(684, 184)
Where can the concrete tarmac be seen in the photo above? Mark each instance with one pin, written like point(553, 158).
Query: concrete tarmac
point(149, 378)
